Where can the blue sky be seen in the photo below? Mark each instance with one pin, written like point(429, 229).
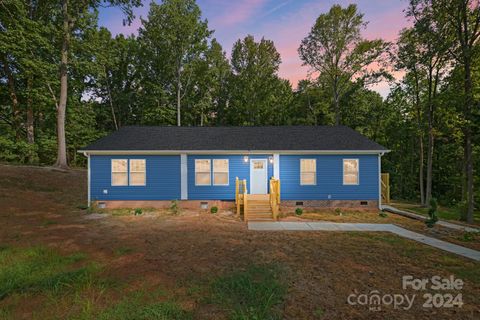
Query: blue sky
point(286, 22)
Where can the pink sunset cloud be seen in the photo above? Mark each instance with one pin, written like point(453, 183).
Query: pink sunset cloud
point(288, 31)
point(285, 22)
point(235, 12)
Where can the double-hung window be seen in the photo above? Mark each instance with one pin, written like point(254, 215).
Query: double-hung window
point(137, 172)
point(350, 171)
point(122, 176)
point(203, 172)
point(220, 172)
point(308, 172)
point(205, 169)
point(119, 172)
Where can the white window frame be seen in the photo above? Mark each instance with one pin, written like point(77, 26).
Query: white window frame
point(315, 180)
point(213, 173)
point(358, 172)
point(130, 172)
point(210, 172)
point(112, 172)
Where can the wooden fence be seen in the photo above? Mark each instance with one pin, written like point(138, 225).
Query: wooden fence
point(386, 188)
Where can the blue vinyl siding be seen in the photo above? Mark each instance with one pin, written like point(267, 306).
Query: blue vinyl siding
point(237, 168)
point(329, 178)
point(162, 179)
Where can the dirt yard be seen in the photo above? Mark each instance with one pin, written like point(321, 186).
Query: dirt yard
point(197, 262)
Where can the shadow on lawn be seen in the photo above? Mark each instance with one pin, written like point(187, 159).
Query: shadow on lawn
point(70, 287)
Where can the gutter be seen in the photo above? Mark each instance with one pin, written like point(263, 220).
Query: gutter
point(207, 152)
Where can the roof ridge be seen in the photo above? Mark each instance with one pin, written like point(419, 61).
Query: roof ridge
point(291, 137)
point(225, 126)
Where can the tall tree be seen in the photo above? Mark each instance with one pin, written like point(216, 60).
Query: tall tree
point(24, 46)
point(73, 12)
point(257, 96)
point(407, 58)
point(175, 30)
point(425, 59)
point(209, 85)
point(311, 106)
point(335, 49)
point(462, 17)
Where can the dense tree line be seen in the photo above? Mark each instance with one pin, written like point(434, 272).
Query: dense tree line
point(65, 81)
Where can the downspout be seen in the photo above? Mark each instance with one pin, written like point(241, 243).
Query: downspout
point(88, 177)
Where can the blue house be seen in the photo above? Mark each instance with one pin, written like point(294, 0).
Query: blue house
point(312, 166)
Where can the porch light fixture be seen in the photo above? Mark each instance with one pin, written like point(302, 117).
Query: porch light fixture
point(270, 159)
point(245, 159)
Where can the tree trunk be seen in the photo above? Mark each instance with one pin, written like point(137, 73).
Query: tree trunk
point(179, 96)
point(62, 104)
point(336, 103)
point(431, 88)
point(468, 141)
point(428, 192)
point(420, 141)
point(13, 96)
point(114, 118)
point(30, 115)
point(420, 171)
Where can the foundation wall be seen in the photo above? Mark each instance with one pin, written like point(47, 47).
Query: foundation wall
point(329, 204)
point(161, 204)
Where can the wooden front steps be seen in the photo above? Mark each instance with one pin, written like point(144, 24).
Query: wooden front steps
point(259, 208)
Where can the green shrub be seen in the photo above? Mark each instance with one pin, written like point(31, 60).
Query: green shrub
point(47, 149)
point(214, 209)
point(82, 207)
point(299, 211)
point(432, 213)
point(318, 312)
point(17, 151)
point(138, 211)
point(338, 211)
point(469, 236)
point(383, 214)
point(174, 208)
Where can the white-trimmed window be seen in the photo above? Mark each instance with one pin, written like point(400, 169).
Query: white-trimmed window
point(220, 172)
point(308, 172)
point(137, 172)
point(119, 172)
point(202, 172)
point(350, 171)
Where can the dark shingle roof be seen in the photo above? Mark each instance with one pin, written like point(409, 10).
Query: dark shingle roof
point(328, 138)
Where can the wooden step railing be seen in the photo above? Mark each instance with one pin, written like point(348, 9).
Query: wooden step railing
point(242, 198)
point(240, 194)
point(275, 197)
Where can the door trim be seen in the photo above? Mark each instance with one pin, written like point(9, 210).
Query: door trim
point(266, 175)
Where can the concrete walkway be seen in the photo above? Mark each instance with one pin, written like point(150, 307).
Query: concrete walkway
point(370, 227)
point(423, 218)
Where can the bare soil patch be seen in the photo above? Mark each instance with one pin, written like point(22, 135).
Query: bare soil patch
point(180, 255)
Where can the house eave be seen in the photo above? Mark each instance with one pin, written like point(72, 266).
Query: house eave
point(207, 152)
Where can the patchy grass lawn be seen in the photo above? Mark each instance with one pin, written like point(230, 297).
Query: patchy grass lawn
point(59, 262)
point(466, 239)
point(39, 269)
point(254, 293)
point(443, 212)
